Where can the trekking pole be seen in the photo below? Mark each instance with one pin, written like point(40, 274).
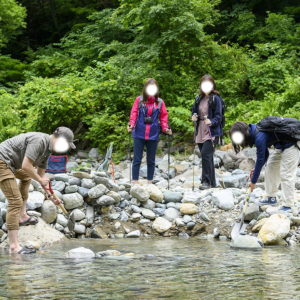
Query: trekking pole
point(129, 156)
point(194, 154)
point(169, 152)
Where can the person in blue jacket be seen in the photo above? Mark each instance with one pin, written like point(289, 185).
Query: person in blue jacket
point(207, 117)
point(281, 164)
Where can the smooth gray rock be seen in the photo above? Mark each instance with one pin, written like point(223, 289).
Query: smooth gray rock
point(71, 189)
point(78, 214)
point(105, 201)
point(61, 177)
point(97, 191)
point(79, 228)
point(49, 211)
point(83, 192)
point(134, 234)
point(74, 181)
point(88, 183)
point(170, 196)
point(252, 212)
point(90, 215)
point(72, 201)
point(58, 185)
point(150, 204)
point(246, 242)
point(35, 200)
point(61, 220)
point(223, 199)
point(139, 193)
point(80, 253)
point(147, 213)
point(171, 214)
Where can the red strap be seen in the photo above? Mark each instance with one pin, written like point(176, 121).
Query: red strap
point(50, 188)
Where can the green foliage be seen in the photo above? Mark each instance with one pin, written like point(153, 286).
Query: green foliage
point(12, 16)
point(93, 74)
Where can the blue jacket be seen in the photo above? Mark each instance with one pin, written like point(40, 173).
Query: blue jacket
point(214, 115)
point(262, 141)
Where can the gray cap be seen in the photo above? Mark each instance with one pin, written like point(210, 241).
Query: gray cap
point(66, 133)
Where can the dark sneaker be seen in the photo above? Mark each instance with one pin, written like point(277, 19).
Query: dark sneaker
point(204, 186)
point(285, 208)
point(269, 201)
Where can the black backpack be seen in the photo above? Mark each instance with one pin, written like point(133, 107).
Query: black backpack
point(285, 129)
point(212, 102)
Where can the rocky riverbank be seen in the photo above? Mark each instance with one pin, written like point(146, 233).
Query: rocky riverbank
point(106, 208)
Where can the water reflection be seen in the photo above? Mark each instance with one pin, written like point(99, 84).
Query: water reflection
point(162, 268)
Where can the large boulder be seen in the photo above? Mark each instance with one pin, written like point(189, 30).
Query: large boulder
point(274, 229)
point(49, 211)
point(252, 212)
point(189, 209)
point(161, 225)
point(80, 253)
point(140, 193)
point(223, 199)
point(170, 196)
point(72, 201)
point(35, 200)
point(155, 193)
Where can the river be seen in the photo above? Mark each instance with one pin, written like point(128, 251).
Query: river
point(162, 269)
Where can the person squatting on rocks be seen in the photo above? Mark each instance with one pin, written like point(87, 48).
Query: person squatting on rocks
point(25, 157)
point(281, 164)
point(148, 115)
point(207, 117)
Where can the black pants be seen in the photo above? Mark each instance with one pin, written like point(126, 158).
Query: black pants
point(208, 169)
point(138, 149)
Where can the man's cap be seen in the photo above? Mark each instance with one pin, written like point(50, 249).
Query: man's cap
point(67, 133)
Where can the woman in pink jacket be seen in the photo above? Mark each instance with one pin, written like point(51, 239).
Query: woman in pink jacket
point(148, 116)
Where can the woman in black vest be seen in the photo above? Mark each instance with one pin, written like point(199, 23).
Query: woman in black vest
point(207, 115)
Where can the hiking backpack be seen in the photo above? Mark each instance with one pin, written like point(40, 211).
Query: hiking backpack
point(284, 129)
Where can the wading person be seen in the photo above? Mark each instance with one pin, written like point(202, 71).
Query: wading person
point(281, 164)
point(207, 115)
point(148, 116)
point(25, 157)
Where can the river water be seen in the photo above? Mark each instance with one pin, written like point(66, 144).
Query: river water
point(162, 269)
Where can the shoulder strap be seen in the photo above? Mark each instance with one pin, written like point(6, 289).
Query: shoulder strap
point(159, 102)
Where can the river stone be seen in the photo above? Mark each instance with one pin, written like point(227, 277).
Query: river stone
point(79, 228)
point(88, 183)
point(80, 253)
point(170, 196)
point(116, 196)
point(105, 200)
point(235, 181)
point(71, 165)
point(61, 220)
point(71, 189)
point(89, 215)
point(171, 214)
point(74, 181)
point(155, 193)
point(81, 175)
point(252, 212)
point(94, 154)
point(140, 193)
point(223, 199)
point(108, 253)
point(98, 232)
point(246, 242)
point(147, 213)
point(97, 191)
point(135, 217)
point(274, 229)
point(83, 192)
point(188, 209)
point(159, 211)
point(58, 185)
point(161, 225)
point(49, 211)
point(35, 200)
point(179, 222)
point(59, 227)
point(61, 177)
point(258, 225)
point(72, 201)
point(149, 204)
point(78, 214)
point(134, 234)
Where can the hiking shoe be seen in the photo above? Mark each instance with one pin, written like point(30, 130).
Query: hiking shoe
point(204, 186)
point(269, 201)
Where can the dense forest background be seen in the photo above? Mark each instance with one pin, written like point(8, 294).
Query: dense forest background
point(81, 63)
